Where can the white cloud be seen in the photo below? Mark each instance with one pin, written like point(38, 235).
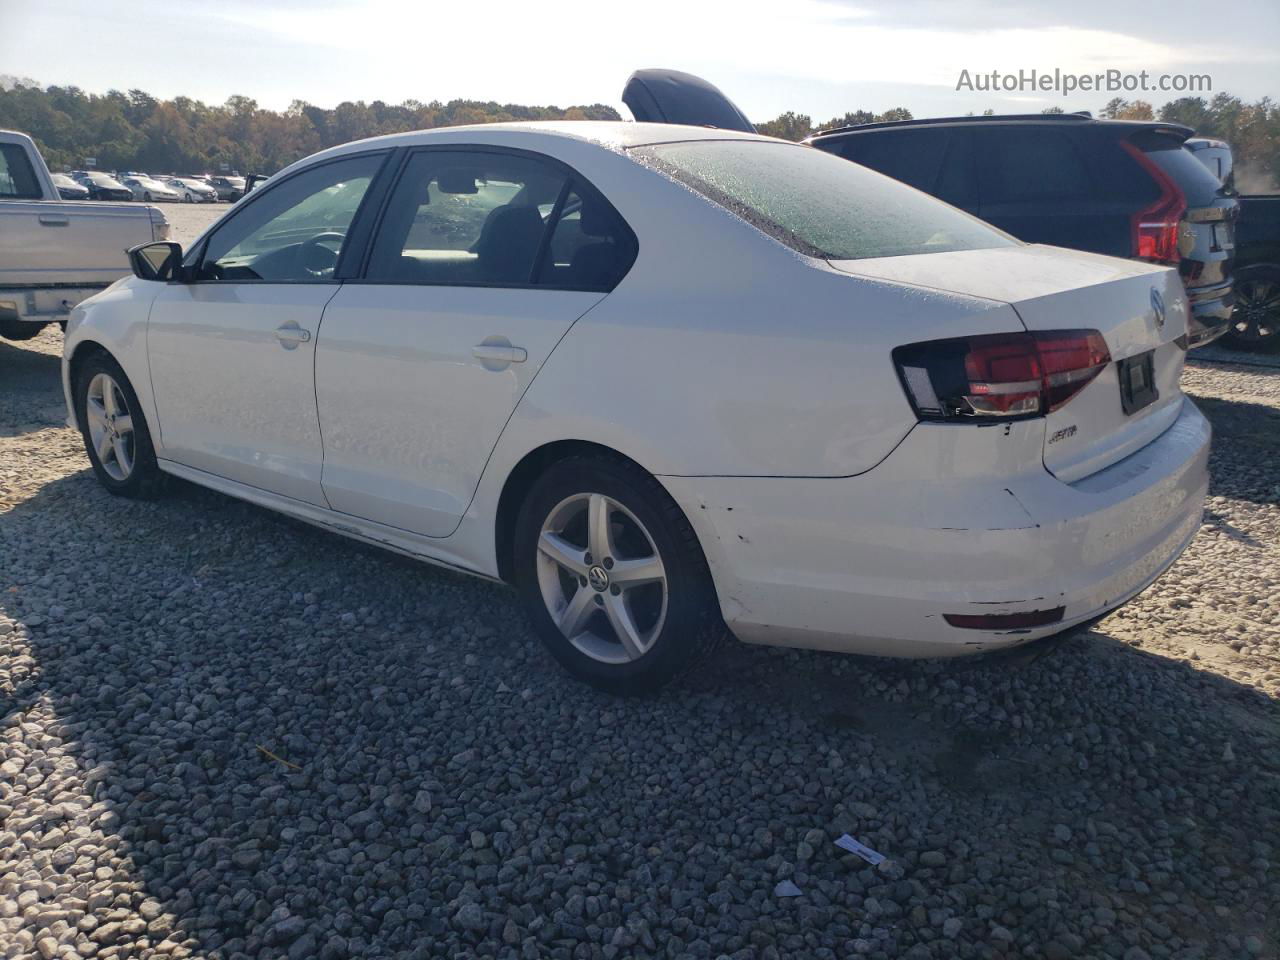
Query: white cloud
point(549, 50)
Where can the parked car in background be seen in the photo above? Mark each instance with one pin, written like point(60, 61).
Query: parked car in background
point(229, 188)
point(68, 189)
point(1216, 155)
point(1255, 322)
point(54, 253)
point(1123, 188)
point(192, 190)
point(676, 377)
point(145, 188)
point(103, 186)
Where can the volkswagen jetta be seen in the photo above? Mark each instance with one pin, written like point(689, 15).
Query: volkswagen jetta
point(664, 379)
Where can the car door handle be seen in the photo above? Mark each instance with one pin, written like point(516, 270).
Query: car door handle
point(53, 220)
point(290, 335)
point(499, 353)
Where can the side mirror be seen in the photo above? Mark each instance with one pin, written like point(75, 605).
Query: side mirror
point(159, 261)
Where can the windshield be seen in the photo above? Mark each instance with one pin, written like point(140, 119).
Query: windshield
point(819, 204)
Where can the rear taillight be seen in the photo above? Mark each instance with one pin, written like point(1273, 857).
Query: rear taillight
point(1155, 228)
point(1003, 375)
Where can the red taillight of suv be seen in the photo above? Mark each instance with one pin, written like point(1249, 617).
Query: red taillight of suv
point(1002, 375)
point(1155, 228)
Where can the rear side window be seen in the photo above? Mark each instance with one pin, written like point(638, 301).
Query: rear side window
point(817, 203)
point(912, 156)
point(461, 217)
point(1193, 178)
point(17, 178)
point(590, 247)
point(1030, 165)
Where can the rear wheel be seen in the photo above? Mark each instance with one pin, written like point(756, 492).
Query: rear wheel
point(613, 577)
point(114, 430)
point(1255, 321)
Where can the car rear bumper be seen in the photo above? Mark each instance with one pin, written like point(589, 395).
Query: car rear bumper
point(872, 564)
point(1210, 313)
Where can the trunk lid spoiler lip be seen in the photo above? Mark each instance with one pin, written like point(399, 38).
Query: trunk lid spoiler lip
point(672, 96)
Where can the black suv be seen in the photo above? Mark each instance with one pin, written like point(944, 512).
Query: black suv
point(1124, 188)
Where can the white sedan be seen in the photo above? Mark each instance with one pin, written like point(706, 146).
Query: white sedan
point(664, 380)
point(144, 188)
point(191, 190)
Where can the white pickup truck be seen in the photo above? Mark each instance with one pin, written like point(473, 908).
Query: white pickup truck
point(55, 253)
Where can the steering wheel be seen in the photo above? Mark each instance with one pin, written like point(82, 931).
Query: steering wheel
point(318, 260)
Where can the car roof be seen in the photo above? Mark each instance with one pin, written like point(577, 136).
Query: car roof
point(1012, 119)
point(610, 134)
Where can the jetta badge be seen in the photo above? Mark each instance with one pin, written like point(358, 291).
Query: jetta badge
point(1157, 307)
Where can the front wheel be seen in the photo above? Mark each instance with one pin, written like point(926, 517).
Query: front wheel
point(1255, 321)
point(115, 431)
point(613, 577)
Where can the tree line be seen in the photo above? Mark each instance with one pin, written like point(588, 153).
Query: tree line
point(135, 130)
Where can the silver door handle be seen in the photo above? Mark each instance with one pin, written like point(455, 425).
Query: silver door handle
point(497, 353)
point(290, 335)
point(53, 220)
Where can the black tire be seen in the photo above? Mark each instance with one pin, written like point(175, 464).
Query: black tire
point(145, 481)
point(692, 627)
point(1255, 322)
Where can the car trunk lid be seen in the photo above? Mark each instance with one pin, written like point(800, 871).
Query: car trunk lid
point(670, 96)
point(1140, 310)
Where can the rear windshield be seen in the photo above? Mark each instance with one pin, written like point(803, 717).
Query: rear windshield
point(817, 203)
point(1193, 178)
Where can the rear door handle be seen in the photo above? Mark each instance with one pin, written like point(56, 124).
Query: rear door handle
point(53, 220)
point(290, 335)
point(499, 353)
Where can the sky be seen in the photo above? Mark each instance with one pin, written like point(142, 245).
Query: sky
point(820, 57)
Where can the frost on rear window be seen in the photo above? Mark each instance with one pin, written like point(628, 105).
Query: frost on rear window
point(819, 204)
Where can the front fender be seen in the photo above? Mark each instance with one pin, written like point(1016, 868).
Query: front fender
point(115, 320)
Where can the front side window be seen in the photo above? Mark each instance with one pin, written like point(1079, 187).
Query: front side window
point(295, 232)
point(819, 204)
point(17, 178)
point(497, 219)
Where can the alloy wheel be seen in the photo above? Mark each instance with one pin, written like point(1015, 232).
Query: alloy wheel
point(601, 578)
point(1257, 312)
point(110, 427)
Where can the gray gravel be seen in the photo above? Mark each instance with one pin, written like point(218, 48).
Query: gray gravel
point(188, 220)
point(228, 735)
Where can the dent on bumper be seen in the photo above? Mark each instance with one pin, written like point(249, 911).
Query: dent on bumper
point(870, 564)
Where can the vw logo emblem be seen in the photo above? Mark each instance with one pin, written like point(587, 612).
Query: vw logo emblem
point(598, 577)
point(1157, 307)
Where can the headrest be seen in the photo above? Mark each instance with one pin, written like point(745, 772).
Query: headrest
point(594, 219)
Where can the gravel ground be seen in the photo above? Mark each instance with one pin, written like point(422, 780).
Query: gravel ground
point(188, 220)
point(228, 735)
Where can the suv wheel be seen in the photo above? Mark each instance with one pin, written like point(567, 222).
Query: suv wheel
point(114, 430)
point(613, 577)
point(1255, 322)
